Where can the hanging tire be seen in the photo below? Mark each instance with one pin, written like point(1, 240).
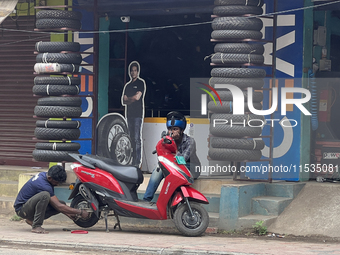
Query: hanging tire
point(227, 107)
point(107, 129)
point(121, 149)
point(235, 10)
point(71, 124)
point(230, 143)
point(237, 23)
point(52, 156)
point(242, 83)
point(41, 80)
point(55, 90)
point(238, 72)
point(227, 58)
point(226, 95)
point(78, 202)
point(57, 46)
point(60, 58)
point(56, 68)
point(58, 14)
point(56, 133)
point(239, 48)
point(240, 2)
point(191, 226)
point(248, 119)
point(236, 35)
point(60, 146)
point(234, 154)
point(60, 101)
point(235, 131)
point(57, 23)
point(57, 111)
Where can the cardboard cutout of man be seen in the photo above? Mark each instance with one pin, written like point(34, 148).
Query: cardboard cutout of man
point(133, 100)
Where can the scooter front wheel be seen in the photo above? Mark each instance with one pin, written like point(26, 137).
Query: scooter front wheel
point(191, 226)
point(79, 202)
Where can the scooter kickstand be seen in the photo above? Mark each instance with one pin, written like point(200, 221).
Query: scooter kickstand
point(106, 224)
point(118, 223)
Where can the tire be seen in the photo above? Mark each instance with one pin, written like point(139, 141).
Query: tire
point(52, 156)
point(55, 90)
point(58, 146)
point(231, 143)
point(238, 73)
point(237, 23)
point(60, 101)
point(79, 202)
point(252, 119)
point(235, 10)
point(239, 48)
point(226, 95)
point(235, 131)
point(227, 107)
point(57, 47)
point(107, 129)
point(227, 58)
point(234, 154)
point(60, 58)
point(56, 133)
point(121, 149)
point(187, 226)
point(58, 14)
point(240, 2)
point(236, 35)
point(56, 68)
point(70, 124)
point(57, 24)
point(40, 80)
point(57, 111)
point(242, 83)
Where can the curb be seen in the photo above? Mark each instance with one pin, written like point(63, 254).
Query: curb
point(117, 248)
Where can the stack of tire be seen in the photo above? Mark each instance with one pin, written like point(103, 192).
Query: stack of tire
point(59, 92)
point(236, 32)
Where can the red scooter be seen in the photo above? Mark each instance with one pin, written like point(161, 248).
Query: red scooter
point(103, 187)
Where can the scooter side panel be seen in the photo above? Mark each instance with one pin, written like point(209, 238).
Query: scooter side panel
point(98, 177)
point(145, 212)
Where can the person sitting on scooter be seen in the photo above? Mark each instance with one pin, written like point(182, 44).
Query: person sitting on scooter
point(186, 147)
point(36, 200)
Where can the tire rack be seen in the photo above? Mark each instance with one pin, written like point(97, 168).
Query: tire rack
point(273, 79)
point(66, 6)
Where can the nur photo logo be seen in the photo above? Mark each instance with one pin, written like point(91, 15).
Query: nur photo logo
point(238, 101)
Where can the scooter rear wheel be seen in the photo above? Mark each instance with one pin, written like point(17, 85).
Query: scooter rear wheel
point(188, 226)
point(79, 202)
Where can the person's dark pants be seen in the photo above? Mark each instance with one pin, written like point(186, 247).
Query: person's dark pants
point(135, 127)
point(38, 208)
point(156, 178)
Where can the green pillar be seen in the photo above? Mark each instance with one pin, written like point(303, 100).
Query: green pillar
point(103, 67)
point(307, 64)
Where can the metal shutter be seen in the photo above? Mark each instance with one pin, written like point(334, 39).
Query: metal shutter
point(17, 102)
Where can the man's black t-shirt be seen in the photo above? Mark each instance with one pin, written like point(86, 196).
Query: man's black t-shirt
point(136, 108)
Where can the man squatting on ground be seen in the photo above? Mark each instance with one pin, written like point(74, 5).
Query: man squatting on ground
point(36, 200)
point(186, 147)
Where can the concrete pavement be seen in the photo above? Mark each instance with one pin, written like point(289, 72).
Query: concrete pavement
point(152, 241)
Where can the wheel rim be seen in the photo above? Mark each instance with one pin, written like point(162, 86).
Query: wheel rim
point(115, 129)
point(84, 205)
point(123, 150)
point(192, 222)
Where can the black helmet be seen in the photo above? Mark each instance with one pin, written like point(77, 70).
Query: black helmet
point(176, 119)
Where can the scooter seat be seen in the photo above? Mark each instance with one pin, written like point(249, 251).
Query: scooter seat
point(128, 174)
